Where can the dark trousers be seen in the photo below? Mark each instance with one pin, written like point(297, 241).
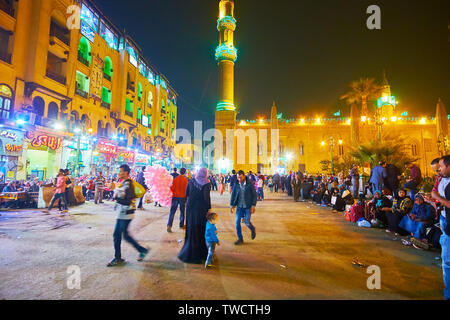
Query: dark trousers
point(57, 196)
point(122, 230)
point(175, 203)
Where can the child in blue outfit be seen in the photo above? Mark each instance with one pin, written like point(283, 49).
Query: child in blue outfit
point(211, 236)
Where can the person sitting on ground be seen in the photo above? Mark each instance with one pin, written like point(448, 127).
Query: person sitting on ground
point(381, 204)
point(421, 216)
point(343, 199)
point(357, 211)
point(401, 206)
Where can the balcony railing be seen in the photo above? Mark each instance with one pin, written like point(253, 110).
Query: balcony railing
point(106, 105)
point(130, 87)
point(129, 113)
point(82, 59)
point(81, 93)
point(107, 76)
point(6, 57)
point(9, 9)
point(56, 76)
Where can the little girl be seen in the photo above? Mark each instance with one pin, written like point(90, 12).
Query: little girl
point(211, 236)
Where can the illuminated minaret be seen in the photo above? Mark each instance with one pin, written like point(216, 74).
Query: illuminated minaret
point(226, 55)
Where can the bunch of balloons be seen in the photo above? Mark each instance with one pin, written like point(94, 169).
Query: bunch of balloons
point(159, 182)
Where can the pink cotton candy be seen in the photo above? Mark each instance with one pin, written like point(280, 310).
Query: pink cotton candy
point(159, 182)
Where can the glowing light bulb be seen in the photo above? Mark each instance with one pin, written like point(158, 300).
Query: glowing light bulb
point(322, 143)
point(363, 118)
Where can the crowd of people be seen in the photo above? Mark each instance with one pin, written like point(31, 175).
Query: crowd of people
point(390, 199)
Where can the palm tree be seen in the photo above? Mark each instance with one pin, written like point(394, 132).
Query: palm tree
point(362, 91)
point(390, 149)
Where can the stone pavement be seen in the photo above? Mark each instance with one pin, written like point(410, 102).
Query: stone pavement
point(301, 251)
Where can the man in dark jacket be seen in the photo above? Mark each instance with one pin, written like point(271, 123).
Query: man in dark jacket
point(244, 197)
point(141, 180)
point(392, 180)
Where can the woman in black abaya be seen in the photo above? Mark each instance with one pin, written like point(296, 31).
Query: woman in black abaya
point(197, 206)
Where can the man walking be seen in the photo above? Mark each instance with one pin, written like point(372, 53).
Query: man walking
point(60, 192)
point(233, 179)
point(141, 180)
point(178, 188)
point(174, 174)
point(243, 196)
point(99, 186)
point(125, 197)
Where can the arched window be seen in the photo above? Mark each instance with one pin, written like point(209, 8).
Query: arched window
point(108, 69)
point(107, 130)
point(85, 122)
point(74, 119)
point(84, 51)
point(53, 111)
point(139, 91)
point(150, 99)
point(100, 128)
point(414, 149)
point(301, 149)
point(38, 109)
point(5, 102)
point(139, 115)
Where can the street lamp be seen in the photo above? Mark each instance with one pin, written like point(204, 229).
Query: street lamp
point(332, 144)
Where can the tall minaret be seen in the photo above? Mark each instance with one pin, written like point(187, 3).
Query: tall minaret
point(226, 55)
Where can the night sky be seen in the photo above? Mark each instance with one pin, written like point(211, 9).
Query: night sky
point(302, 54)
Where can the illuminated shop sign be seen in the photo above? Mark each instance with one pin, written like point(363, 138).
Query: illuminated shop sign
point(127, 156)
point(53, 143)
point(105, 147)
point(144, 121)
point(11, 142)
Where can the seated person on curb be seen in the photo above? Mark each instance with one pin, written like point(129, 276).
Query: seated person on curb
point(402, 205)
point(382, 204)
point(342, 199)
point(421, 215)
point(357, 211)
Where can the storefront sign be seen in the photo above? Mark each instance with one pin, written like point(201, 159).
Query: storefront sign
point(8, 134)
point(142, 159)
point(13, 148)
point(53, 143)
point(11, 142)
point(127, 156)
point(105, 147)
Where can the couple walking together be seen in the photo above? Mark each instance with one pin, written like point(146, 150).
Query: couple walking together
point(243, 201)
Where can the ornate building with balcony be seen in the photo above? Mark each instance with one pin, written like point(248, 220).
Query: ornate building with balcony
point(90, 81)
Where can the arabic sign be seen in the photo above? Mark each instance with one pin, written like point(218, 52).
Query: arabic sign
point(11, 142)
point(105, 147)
point(53, 143)
point(97, 77)
point(127, 156)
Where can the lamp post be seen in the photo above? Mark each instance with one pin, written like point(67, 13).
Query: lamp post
point(332, 144)
point(379, 121)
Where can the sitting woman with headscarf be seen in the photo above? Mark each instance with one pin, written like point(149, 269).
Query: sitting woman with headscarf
point(197, 206)
point(401, 206)
point(421, 216)
point(381, 204)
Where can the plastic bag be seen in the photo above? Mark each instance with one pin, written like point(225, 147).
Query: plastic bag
point(139, 190)
point(363, 223)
